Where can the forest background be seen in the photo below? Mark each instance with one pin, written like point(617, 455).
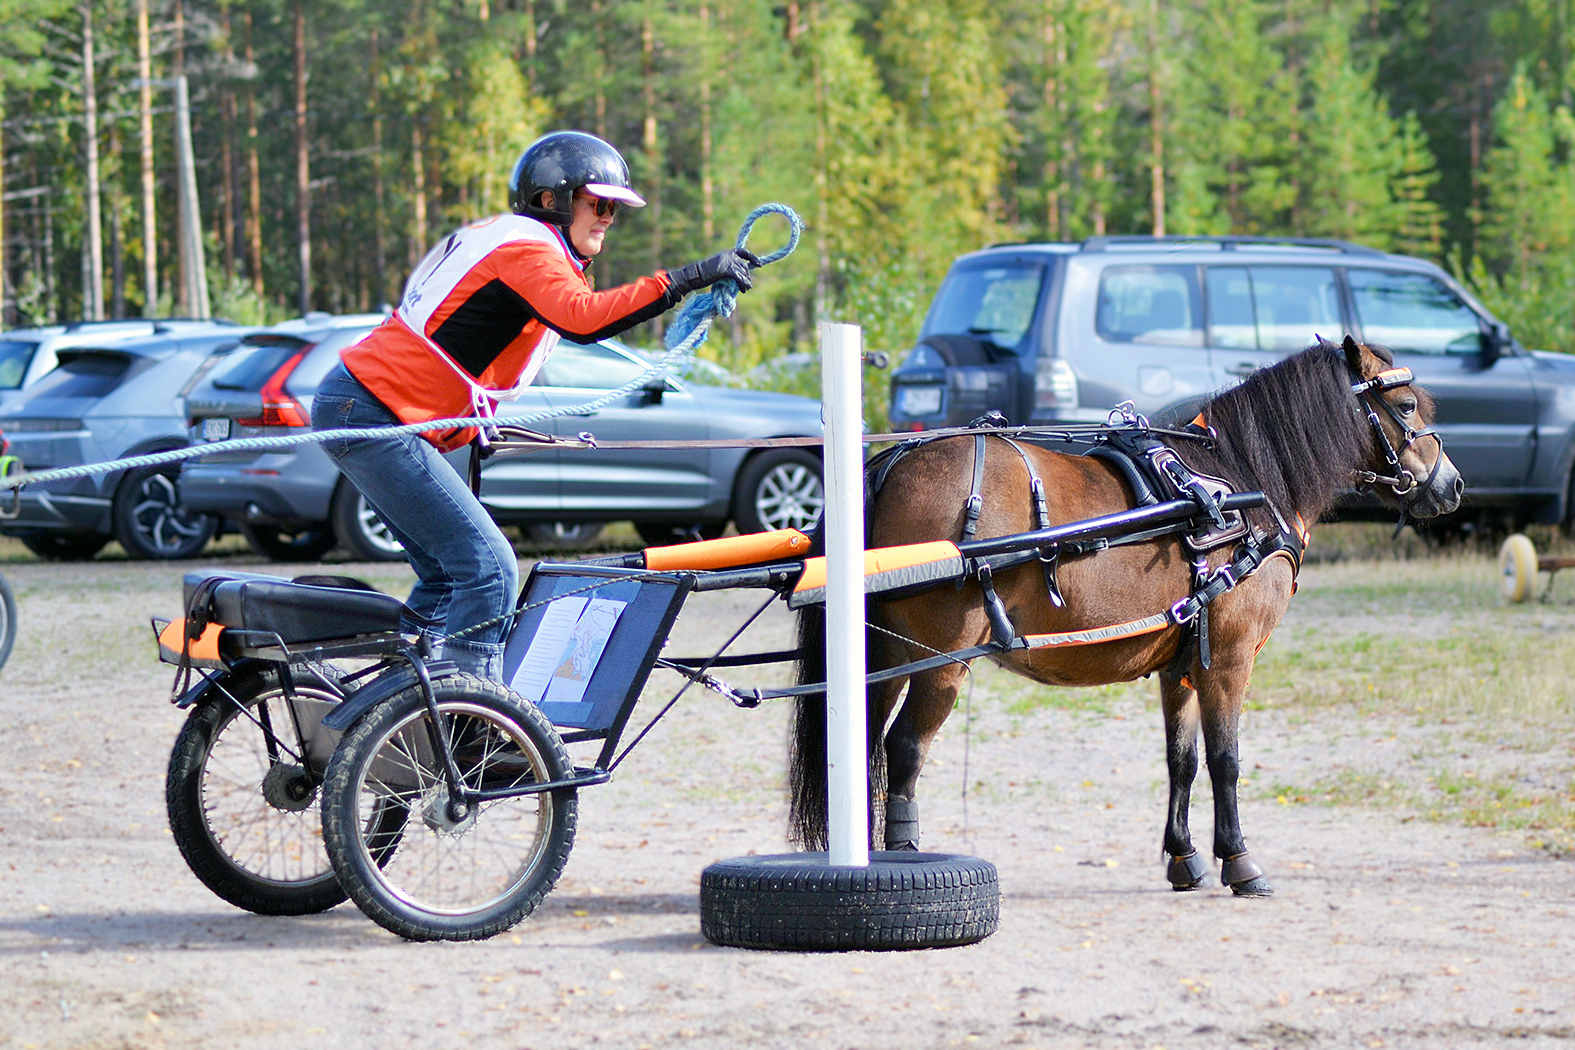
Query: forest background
point(336, 140)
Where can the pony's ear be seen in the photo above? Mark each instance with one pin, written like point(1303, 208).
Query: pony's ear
point(1353, 354)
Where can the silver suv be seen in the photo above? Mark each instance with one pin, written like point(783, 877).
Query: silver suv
point(1045, 333)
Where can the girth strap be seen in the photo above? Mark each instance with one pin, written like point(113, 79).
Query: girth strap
point(975, 504)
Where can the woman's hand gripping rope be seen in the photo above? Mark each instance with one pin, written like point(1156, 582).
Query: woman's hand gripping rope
point(686, 334)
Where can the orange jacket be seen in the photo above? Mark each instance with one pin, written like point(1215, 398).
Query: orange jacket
point(479, 317)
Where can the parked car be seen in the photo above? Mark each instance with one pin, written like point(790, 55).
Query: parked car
point(29, 354)
point(296, 504)
point(105, 402)
point(1045, 333)
point(109, 402)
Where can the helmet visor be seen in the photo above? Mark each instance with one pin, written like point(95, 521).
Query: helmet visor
point(621, 194)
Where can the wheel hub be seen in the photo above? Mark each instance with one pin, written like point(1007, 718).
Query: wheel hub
point(444, 814)
point(288, 788)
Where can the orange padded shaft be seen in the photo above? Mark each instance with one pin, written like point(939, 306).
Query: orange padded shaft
point(727, 553)
point(881, 559)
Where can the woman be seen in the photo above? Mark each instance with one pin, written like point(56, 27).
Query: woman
point(479, 316)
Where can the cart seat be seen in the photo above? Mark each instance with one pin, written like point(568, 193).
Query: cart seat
point(296, 612)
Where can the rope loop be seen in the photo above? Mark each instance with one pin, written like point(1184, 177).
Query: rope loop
point(722, 297)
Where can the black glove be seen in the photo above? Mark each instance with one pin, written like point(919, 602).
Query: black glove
point(733, 264)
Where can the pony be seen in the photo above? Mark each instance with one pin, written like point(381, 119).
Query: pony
point(1302, 432)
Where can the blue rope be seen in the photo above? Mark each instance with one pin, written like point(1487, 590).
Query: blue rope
point(720, 300)
point(698, 313)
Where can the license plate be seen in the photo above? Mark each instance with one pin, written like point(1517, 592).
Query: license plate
point(216, 429)
point(919, 400)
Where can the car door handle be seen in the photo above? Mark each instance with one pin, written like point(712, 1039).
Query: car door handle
point(1246, 368)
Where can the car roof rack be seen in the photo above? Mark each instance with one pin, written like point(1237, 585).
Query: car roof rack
point(1227, 243)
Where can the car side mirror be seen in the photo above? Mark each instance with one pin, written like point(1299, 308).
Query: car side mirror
point(1496, 341)
point(653, 389)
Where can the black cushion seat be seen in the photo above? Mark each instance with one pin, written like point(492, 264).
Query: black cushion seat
point(296, 612)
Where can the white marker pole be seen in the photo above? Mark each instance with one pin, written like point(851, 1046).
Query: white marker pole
point(847, 772)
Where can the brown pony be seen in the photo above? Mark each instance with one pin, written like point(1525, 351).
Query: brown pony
point(1297, 432)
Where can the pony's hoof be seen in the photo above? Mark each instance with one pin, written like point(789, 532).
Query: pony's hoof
point(1244, 877)
point(902, 847)
point(1187, 872)
point(1258, 887)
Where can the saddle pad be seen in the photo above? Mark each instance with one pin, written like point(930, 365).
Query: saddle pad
point(300, 612)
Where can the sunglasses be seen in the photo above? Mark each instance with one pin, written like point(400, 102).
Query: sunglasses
point(605, 208)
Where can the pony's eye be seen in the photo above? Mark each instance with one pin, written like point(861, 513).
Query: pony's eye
point(1406, 406)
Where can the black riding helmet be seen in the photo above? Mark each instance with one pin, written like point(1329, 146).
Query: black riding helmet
point(565, 161)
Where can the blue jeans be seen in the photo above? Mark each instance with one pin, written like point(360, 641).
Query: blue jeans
point(466, 570)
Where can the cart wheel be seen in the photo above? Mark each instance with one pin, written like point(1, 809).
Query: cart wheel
point(1517, 566)
point(798, 902)
point(241, 812)
point(459, 874)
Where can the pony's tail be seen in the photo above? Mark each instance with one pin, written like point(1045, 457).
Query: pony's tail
point(807, 747)
point(807, 750)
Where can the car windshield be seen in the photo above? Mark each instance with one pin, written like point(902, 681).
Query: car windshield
point(14, 357)
point(995, 302)
point(249, 366)
point(592, 367)
point(85, 375)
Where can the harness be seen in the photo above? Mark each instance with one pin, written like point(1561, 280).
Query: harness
point(1155, 473)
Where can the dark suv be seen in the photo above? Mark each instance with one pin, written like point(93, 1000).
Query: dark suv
point(1046, 333)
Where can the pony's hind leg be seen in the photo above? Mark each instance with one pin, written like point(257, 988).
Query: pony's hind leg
point(931, 697)
point(1183, 867)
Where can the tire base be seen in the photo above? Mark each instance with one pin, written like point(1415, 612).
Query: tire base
point(797, 902)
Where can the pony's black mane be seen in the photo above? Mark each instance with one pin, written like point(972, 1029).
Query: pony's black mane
point(1292, 431)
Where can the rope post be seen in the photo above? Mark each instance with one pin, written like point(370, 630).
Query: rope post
point(847, 771)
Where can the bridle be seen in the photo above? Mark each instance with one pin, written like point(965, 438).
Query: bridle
point(1367, 392)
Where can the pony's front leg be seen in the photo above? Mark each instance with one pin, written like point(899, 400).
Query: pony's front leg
point(1220, 692)
point(931, 697)
point(1183, 867)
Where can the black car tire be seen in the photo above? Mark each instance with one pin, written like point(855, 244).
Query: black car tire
point(666, 534)
point(797, 901)
point(309, 544)
point(779, 489)
point(64, 546)
point(7, 621)
point(151, 523)
point(360, 530)
point(564, 535)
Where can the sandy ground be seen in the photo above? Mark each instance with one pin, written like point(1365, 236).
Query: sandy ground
point(1384, 933)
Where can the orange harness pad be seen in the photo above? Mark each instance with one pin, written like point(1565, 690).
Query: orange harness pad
point(730, 552)
point(204, 649)
point(885, 569)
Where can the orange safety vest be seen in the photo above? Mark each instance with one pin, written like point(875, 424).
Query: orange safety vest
point(481, 314)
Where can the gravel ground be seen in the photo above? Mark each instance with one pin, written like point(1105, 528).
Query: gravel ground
point(1383, 933)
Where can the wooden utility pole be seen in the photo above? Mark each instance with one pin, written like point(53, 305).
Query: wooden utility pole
point(1156, 135)
point(653, 156)
point(379, 256)
point(150, 229)
point(183, 301)
point(253, 172)
point(303, 172)
point(93, 264)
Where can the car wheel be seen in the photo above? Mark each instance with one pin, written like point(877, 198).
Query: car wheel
point(665, 534)
point(308, 544)
point(64, 546)
point(564, 535)
point(780, 489)
point(150, 520)
point(360, 530)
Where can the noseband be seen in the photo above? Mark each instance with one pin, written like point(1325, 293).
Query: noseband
point(1367, 391)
